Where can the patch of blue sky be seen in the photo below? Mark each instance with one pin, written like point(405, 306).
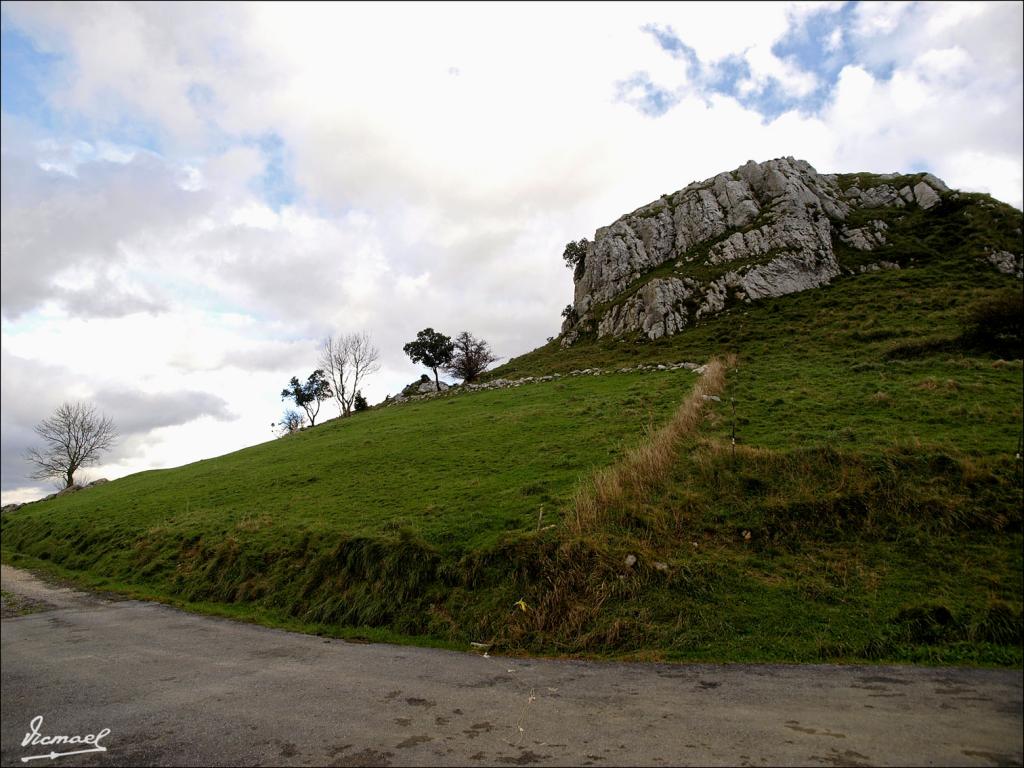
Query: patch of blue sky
point(640, 92)
point(820, 45)
point(722, 77)
point(276, 185)
point(23, 76)
point(24, 323)
point(175, 291)
point(825, 43)
point(27, 78)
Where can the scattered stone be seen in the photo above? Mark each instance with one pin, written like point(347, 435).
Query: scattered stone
point(630, 561)
point(882, 196)
point(1007, 263)
point(865, 238)
point(660, 566)
point(454, 389)
point(935, 182)
point(925, 196)
point(878, 266)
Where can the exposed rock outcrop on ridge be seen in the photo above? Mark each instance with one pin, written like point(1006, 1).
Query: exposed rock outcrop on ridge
point(765, 229)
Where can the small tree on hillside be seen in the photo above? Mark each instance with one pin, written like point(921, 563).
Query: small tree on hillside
point(431, 348)
point(347, 360)
point(290, 423)
point(308, 396)
point(73, 437)
point(575, 254)
point(360, 403)
point(470, 358)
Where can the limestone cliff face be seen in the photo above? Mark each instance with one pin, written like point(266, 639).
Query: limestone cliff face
point(765, 229)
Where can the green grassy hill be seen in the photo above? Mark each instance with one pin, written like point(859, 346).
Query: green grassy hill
point(871, 509)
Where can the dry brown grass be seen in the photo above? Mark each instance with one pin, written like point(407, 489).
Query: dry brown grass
point(644, 467)
point(580, 574)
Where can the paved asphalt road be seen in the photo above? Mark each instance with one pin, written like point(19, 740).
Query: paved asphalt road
point(180, 689)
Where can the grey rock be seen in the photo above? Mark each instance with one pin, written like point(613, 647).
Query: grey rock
point(659, 308)
point(630, 561)
point(865, 238)
point(882, 196)
point(789, 274)
point(935, 182)
point(1007, 263)
point(925, 196)
point(878, 266)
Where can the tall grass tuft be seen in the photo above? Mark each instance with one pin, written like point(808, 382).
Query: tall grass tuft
point(646, 466)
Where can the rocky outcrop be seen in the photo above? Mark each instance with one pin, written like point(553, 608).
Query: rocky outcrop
point(765, 229)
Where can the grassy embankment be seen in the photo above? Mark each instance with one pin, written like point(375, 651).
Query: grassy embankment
point(871, 510)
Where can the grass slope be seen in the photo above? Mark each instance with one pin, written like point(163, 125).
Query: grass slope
point(871, 509)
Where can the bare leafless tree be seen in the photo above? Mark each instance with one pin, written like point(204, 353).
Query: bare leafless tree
point(290, 423)
point(73, 437)
point(348, 359)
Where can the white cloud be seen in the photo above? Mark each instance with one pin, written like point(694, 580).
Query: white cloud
point(879, 18)
point(835, 40)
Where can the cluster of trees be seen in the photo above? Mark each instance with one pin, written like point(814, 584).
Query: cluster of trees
point(465, 357)
point(347, 360)
point(345, 363)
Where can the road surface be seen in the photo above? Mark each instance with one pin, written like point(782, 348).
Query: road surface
point(175, 688)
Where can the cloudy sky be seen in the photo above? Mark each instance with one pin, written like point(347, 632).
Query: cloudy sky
point(193, 195)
